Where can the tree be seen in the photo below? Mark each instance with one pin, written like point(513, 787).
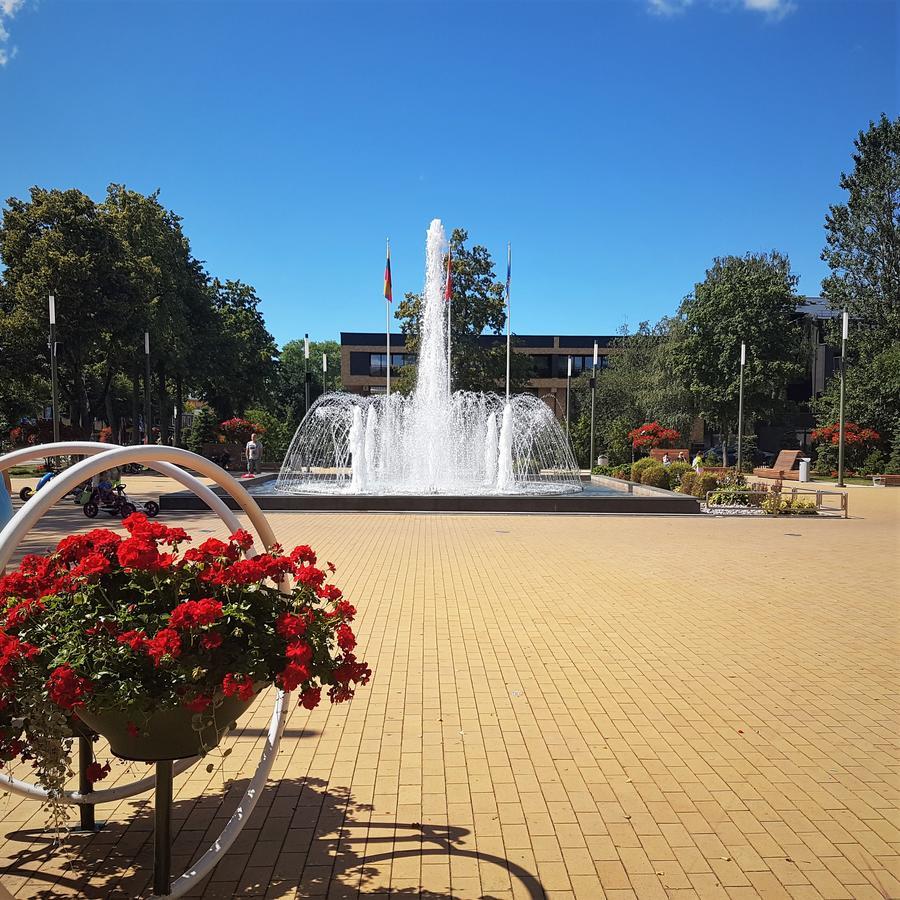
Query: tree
point(743, 298)
point(863, 235)
point(479, 307)
point(290, 393)
point(239, 356)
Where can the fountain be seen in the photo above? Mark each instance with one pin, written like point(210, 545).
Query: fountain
point(431, 441)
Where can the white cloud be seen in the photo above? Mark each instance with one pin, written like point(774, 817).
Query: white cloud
point(8, 8)
point(774, 10)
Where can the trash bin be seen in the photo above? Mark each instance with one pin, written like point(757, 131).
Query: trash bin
point(804, 468)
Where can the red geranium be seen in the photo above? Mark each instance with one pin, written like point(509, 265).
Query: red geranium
point(66, 688)
point(166, 643)
point(195, 613)
point(242, 685)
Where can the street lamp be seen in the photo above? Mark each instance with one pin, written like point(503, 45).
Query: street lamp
point(593, 396)
point(844, 332)
point(147, 413)
point(54, 378)
point(306, 372)
point(568, 383)
point(740, 408)
point(324, 373)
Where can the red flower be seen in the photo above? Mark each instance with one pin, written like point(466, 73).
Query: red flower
point(73, 548)
point(292, 676)
point(18, 614)
point(92, 565)
point(345, 638)
point(166, 643)
point(194, 613)
point(303, 554)
point(136, 639)
point(289, 625)
point(345, 610)
point(242, 538)
point(199, 704)
point(211, 641)
point(242, 685)
point(244, 571)
point(104, 541)
point(12, 652)
point(310, 698)
point(330, 592)
point(310, 576)
point(299, 652)
point(652, 434)
point(331, 567)
point(132, 729)
point(66, 688)
point(95, 772)
point(138, 553)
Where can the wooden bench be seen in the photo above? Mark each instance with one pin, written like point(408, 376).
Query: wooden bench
point(886, 480)
point(658, 453)
point(786, 466)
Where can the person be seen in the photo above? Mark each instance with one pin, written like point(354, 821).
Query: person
point(681, 457)
point(666, 459)
point(698, 462)
point(254, 455)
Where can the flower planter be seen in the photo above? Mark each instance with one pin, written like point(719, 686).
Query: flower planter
point(164, 734)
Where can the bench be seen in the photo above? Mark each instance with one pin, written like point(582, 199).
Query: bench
point(886, 481)
point(786, 466)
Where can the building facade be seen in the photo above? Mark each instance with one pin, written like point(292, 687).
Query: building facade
point(364, 361)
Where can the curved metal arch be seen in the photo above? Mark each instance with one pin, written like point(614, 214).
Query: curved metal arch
point(27, 517)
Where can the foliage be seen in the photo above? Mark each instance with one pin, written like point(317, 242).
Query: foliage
point(203, 429)
point(777, 504)
point(703, 483)
point(858, 443)
point(639, 466)
point(677, 470)
point(278, 434)
point(30, 434)
point(874, 464)
point(623, 472)
point(743, 298)
point(893, 464)
point(108, 623)
point(290, 383)
point(239, 430)
point(686, 483)
point(652, 435)
point(730, 491)
point(478, 307)
point(655, 476)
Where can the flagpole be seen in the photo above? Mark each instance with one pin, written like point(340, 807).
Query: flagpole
point(448, 296)
point(387, 327)
point(508, 313)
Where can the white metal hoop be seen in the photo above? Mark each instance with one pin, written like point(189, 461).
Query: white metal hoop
point(165, 460)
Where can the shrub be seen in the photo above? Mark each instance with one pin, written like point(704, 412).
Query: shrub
point(655, 476)
point(238, 430)
point(893, 464)
point(203, 429)
point(623, 472)
point(687, 482)
point(873, 464)
point(704, 483)
point(637, 468)
point(652, 434)
point(603, 470)
point(677, 471)
point(779, 505)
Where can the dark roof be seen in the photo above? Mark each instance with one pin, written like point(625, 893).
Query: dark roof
point(817, 308)
point(377, 339)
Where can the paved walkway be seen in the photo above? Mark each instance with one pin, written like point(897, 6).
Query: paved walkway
point(569, 707)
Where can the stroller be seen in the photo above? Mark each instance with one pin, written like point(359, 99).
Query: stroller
point(111, 498)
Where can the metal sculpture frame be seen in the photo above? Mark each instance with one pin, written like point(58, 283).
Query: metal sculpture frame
point(164, 460)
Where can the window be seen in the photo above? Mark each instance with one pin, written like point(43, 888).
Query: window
point(378, 363)
point(542, 365)
point(580, 364)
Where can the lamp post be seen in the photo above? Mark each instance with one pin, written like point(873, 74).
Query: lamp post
point(741, 406)
point(147, 413)
point(845, 328)
point(568, 383)
point(324, 373)
point(54, 378)
point(593, 396)
point(306, 372)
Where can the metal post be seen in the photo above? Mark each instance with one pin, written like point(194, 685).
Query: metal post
point(388, 297)
point(54, 378)
point(568, 384)
point(162, 830)
point(148, 430)
point(593, 396)
point(85, 758)
point(844, 332)
point(508, 313)
point(324, 373)
point(741, 406)
point(306, 372)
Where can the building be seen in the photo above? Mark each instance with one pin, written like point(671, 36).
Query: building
point(364, 361)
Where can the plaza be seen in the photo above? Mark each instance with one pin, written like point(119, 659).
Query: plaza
point(561, 707)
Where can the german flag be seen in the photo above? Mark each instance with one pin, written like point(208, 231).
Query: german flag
point(388, 286)
point(448, 285)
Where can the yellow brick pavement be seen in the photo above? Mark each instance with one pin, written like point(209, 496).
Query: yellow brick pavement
point(562, 707)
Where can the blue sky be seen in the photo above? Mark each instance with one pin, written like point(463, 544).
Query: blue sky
point(619, 146)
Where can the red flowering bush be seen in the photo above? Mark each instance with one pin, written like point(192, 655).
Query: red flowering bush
point(238, 430)
point(108, 622)
point(652, 434)
point(853, 435)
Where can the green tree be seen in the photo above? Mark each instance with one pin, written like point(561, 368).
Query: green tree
point(239, 355)
point(743, 298)
point(290, 394)
point(479, 307)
